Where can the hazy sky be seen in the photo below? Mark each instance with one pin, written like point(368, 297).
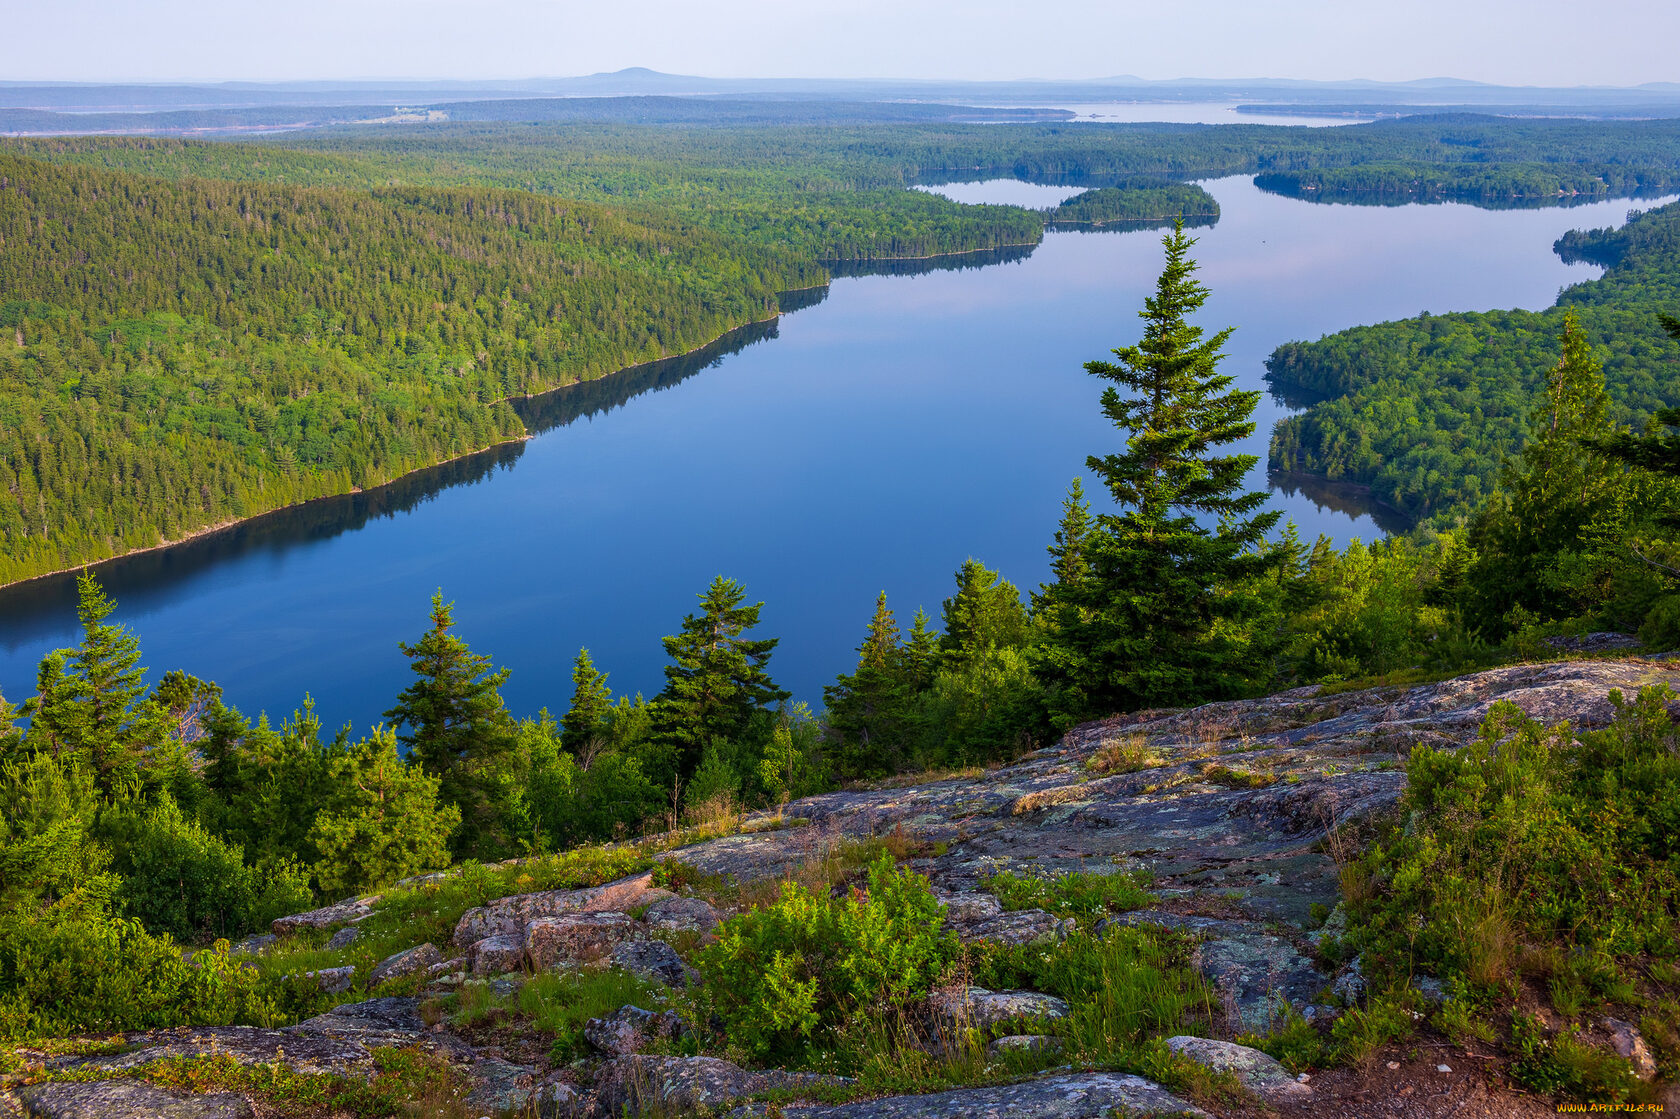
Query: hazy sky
point(1527, 42)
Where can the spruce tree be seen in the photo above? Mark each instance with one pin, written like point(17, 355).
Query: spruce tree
point(1059, 606)
point(1535, 539)
point(717, 680)
point(985, 613)
point(1167, 615)
point(458, 729)
point(921, 653)
point(89, 699)
point(585, 722)
point(866, 710)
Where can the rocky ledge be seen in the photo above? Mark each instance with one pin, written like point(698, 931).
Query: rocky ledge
point(1227, 805)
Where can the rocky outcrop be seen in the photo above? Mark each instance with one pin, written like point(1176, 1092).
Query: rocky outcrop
point(577, 938)
point(127, 1099)
point(508, 916)
point(410, 961)
point(1256, 1071)
point(677, 1085)
point(331, 916)
point(1095, 1095)
point(386, 1021)
point(248, 1045)
point(986, 1010)
point(655, 961)
point(1251, 861)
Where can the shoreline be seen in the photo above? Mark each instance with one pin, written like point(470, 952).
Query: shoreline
point(224, 526)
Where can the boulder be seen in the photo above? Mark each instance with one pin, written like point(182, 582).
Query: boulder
point(678, 914)
point(344, 937)
point(384, 1021)
point(499, 1088)
point(1089, 1095)
point(497, 955)
point(1024, 1043)
point(628, 1028)
point(327, 917)
point(1257, 1071)
point(253, 944)
point(557, 1099)
point(247, 1045)
point(407, 962)
point(678, 1085)
point(577, 938)
point(982, 1009)
point(1025, 926)
point(333, 980)
point(508, 916)
point(965, 910)
point(127, 1099)
point(1629, 1044)
point(655, 961)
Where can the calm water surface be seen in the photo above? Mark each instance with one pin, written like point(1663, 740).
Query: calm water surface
point(871, 440)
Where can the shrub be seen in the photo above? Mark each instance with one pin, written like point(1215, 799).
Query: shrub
point(1122, 989)
point(178, 879)
point(784, 976)
point(1082, 894)
point(77, 972)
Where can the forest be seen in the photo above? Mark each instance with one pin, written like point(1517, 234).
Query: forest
point(340, 307)
point(138, 819)
point(1425, 410)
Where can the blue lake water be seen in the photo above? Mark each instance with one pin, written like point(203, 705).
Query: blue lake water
point(871, 440)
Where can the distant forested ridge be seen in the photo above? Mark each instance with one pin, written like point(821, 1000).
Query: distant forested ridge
point(1424, 410)
point(193, 332)
point(177, 355)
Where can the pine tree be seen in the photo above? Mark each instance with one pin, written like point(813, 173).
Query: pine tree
point(585, 722)
point(458, 728)
point(985, 613)
point(1535, 539)
point(1060, 606)
point(88, 702)
point(386, 822)
point(921, 653)
point(717, 679)
point(866, 710)
point(1167, 614)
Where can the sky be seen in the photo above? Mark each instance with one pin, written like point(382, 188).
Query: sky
point(1514, 42)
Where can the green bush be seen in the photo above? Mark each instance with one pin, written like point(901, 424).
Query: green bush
point(177, 878)
point(1083, 894)
point(1530, 836)
point(79, 972)
point(1124, 991)
point(783, 978)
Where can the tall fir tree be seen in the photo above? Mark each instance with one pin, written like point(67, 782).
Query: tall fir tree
point(89, 700)
point(984, 613)
point(1541, 536)
point(866, 709)
point(1060, 606)
point(585, 721)
point(921, 653)
point(1167, 614)
point(718, 679)
point(458, 730)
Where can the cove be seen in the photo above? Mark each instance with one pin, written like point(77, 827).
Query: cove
point(874, 437)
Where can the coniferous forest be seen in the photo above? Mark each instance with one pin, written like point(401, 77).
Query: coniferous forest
point(194, 333)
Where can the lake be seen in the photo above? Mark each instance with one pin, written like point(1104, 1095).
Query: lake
point(876, 436)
